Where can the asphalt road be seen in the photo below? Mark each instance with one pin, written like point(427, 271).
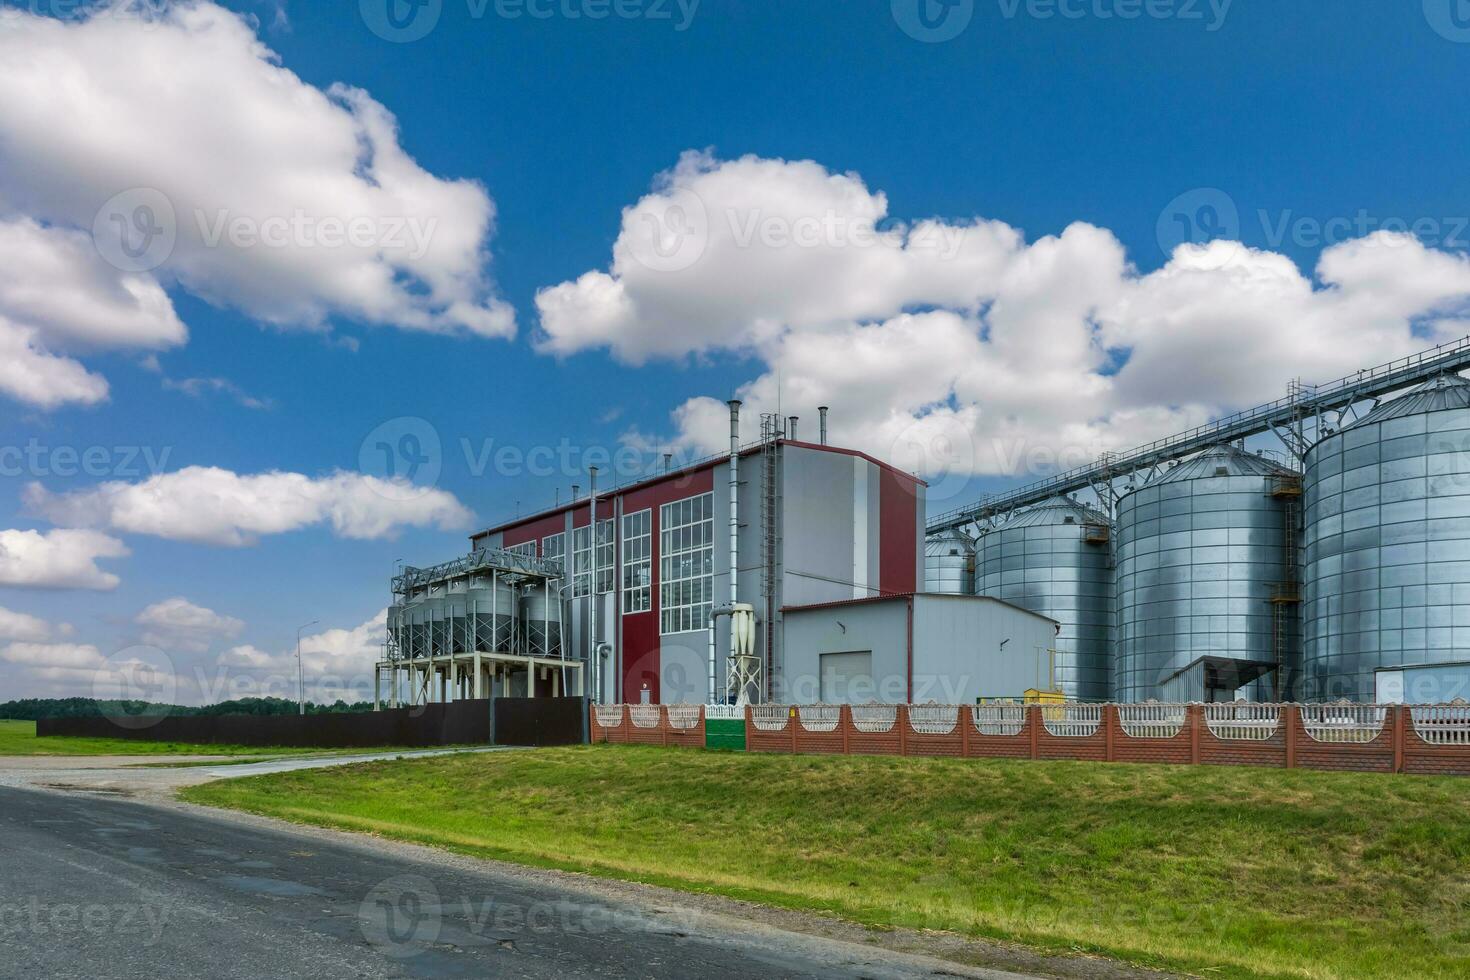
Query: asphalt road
point(97, 888)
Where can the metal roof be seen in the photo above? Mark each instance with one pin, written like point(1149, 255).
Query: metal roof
point(909, 597)
point(1448, 391)
point(1054, 511)
point(1221, 461)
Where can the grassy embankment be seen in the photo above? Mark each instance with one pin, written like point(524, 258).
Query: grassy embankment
point(19, 738)
point(1229, 872)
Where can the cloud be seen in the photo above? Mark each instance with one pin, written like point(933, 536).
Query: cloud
point(199, 387)
point(23, 627)
point(58, 297)
point(215, 506)
point(960, 348)
point(178, 624)
point(336, 663)
point(55, 659)
point(59, 559)
point(288, 202)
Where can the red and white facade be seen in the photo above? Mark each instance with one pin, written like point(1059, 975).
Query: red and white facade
point(847, 526)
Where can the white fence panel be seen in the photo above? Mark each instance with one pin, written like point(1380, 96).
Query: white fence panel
point(874, 718)
point(724, 712)
point(934, 719)
point(1242, 721)
point(643, 715)
point(1442, 724)
point(684, 715)
point(1343, 722)
point(819, 717)
point(1071, 720)
point(609, 715)
point(770, 717)
point(999, 719)
point(1152, 720)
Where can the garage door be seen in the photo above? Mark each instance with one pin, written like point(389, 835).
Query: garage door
point(847, 678)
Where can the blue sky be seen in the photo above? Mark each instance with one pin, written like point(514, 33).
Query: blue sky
point(1346, 110)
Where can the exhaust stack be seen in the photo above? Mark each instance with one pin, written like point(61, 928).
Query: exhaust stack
point(822, 426)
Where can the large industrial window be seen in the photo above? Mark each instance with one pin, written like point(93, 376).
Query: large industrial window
point(554, 547)
point(605, 569)
point(638, 562)
point(581, 562)
point(687, 561)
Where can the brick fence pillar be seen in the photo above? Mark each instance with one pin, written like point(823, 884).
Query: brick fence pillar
point(844, 724)
point(901, 719)
point(1109, 716)
point(1289, 715)
point(1194, 716)
point(966, 725)
point(1033, 720)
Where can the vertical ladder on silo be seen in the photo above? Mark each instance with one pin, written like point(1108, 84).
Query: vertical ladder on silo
point(772, 430)
point(1286, 595)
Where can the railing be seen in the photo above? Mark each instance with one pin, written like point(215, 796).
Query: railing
point(1381, 380)
point(684, 715)
point(1072, 720)
point(1243, 721)
point(1341, 723)
point(770, 717)
point(934, 719)
point(498, 559)
point(609, 715)
point(999, 719)
point(724, 712)
point(1442, 724)
point(1152, 720)
point(874, 719)
point(644, 715)
point(819, 717)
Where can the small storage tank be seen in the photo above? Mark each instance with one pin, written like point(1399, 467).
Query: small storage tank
point(541, 620)
point(1053, 559)
point(1208, 605)
point(492, 604)
point(1387, 562)
point(949, 563)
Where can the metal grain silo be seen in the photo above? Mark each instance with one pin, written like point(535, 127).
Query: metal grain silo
point(1208, 605)
point(493, 605)
point(949, 563)
point(1387, 563)
point(541, 619)
point(1053, 559)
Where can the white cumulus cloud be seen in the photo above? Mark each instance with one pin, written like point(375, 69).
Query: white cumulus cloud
point(216, 506)
point(960, 347)
point(64, 558)
point(178, 624)
point(25, 628)
point(288, 202)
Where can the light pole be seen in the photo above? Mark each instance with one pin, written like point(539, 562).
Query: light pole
point(300, 676)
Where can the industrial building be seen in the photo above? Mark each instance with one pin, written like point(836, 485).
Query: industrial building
point(1332, 565)
point(916, 649)
point(648, 606)
point(1335, 567)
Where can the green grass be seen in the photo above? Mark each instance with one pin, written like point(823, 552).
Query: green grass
point(1230, 872)
point(19, 738)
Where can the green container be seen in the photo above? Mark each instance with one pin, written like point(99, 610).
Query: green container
point(721, 733)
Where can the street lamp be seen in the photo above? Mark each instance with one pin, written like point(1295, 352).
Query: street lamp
point(300, 676)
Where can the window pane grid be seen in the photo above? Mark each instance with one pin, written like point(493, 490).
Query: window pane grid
point(686, 564)
point(638, 562)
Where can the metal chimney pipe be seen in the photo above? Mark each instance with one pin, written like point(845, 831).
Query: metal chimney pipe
point(576, 490)
point(668, 461)
point(822, 411)
point(792, 434)
point(734, 404)
point(593, 660)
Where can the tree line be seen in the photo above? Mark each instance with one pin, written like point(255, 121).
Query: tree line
point(31, 709)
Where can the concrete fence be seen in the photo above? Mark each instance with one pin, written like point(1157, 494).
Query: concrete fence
point(1424, 739)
